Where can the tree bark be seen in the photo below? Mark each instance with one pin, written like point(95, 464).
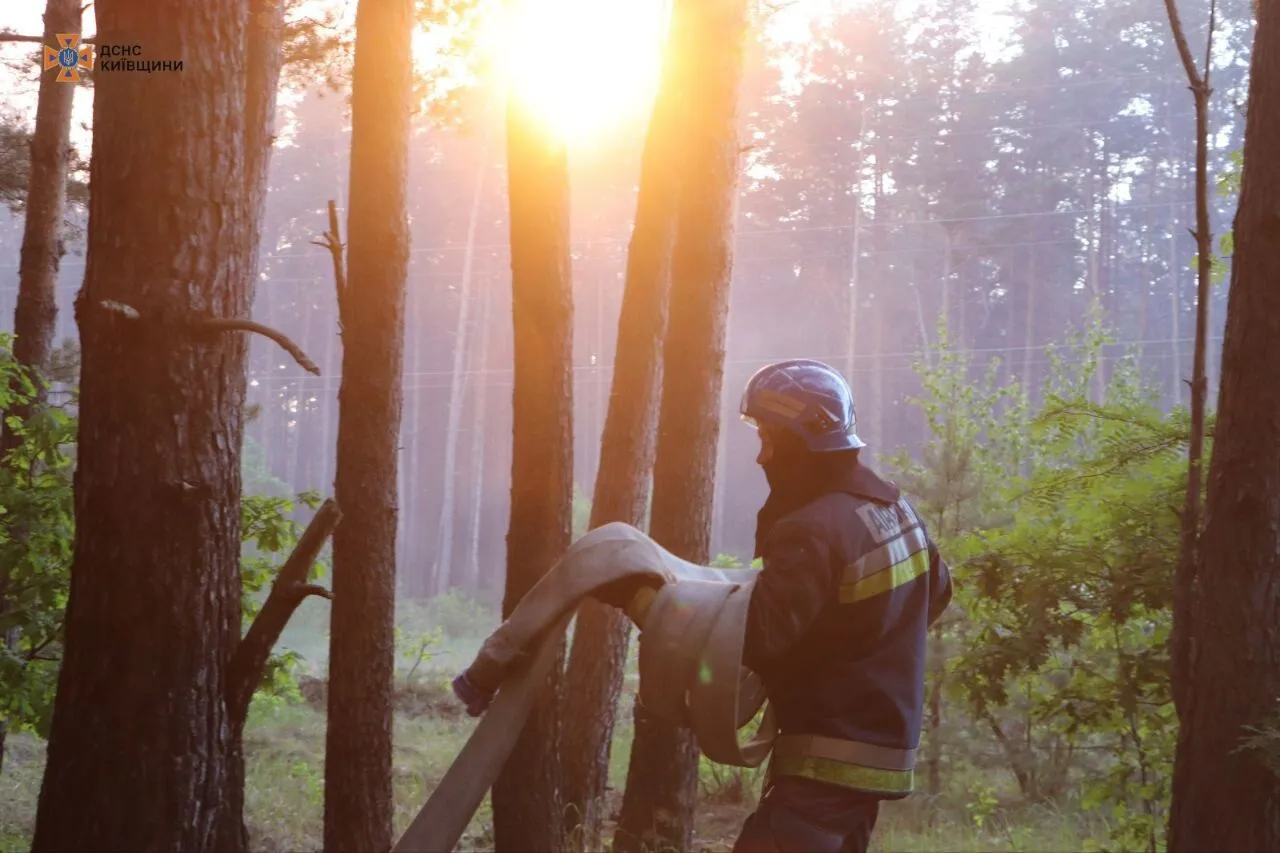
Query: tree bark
point(359, 804)
point(527, 795)
point(707, 39)
point(1224, 798)
point(36, 316)
point(154, 613)
point(627, 449)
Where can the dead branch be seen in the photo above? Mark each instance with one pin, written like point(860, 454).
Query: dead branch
point(288, 591)
point(225, 324)
point(222, 324)
point(332, 240)
point(1182, 639)
point(1184, 49)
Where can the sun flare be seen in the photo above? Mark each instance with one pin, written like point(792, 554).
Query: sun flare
point(583, 67)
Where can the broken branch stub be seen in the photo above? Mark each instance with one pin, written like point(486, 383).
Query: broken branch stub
point(288, 591)
point(217, 325)
point(223, 324)
point(332, 241)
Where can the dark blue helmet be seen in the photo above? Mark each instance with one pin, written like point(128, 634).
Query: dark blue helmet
point(806, 397)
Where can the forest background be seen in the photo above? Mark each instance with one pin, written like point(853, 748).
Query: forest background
point(978, 211)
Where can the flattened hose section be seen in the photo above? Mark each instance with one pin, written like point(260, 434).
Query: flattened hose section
point(691, 673)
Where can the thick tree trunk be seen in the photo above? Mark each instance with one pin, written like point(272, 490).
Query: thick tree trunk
point(154, 612)
point(36, 316)
point(627, 448)
point(707, 39)
point(527, 795)
point(358, 805)
point(263, 33)
point(1225, 798)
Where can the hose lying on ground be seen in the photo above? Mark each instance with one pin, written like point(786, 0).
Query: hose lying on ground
point(692, 621)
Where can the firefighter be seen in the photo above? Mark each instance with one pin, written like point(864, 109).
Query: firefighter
point(838, 619)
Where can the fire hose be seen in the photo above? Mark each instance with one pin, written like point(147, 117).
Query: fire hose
point(692, 622)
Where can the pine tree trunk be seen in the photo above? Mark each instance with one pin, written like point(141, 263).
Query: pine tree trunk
point(154, 613)
point(1029, 316)
point(471, 581)
point(264, 59)
point(358, 795)
point(882, 316)
point(1225, 798)
point(526, 797)
point(661, 792)
point(1175, 309)
point(36, 316)
point(444, 573)
point(1092, 271)
point(627, 446)
point(302, 416)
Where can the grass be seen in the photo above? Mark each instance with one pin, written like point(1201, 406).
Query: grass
point(284, 796)
point(284, 752)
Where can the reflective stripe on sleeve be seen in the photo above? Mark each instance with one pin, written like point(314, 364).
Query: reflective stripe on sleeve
point(897, 562)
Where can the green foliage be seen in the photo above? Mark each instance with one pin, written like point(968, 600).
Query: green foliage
point(1059, 528)
point(1227, 185)
point(581, 512)
point(36, 527)
point(983, 805)
point(255, 477)
point(268, 534)
point(455, 614)
point(37, 534)
point(729, 561)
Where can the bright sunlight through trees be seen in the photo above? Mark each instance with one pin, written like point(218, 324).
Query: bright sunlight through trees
point(583, 67)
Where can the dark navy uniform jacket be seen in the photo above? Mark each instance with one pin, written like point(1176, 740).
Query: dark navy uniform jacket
point(837, 630)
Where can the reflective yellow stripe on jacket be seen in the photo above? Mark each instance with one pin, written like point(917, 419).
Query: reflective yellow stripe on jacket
point(902, 554)
point(847, 763)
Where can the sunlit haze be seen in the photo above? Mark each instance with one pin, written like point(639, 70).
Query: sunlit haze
point(582, 66)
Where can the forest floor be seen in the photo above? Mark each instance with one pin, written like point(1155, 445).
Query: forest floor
point(284, 751)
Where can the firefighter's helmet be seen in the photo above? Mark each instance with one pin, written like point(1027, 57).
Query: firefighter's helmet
point(806, 397)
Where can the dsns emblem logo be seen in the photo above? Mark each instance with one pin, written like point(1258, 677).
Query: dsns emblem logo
point(70, 58)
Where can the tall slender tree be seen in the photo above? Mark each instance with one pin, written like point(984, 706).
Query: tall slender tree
point(153, 620)
point(707, 37)
point(629, 439)
point(359, 802)
point(1226, 798)
point(1184, 577)
point(445, 574)
point(35, 318)
point(527, 795)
